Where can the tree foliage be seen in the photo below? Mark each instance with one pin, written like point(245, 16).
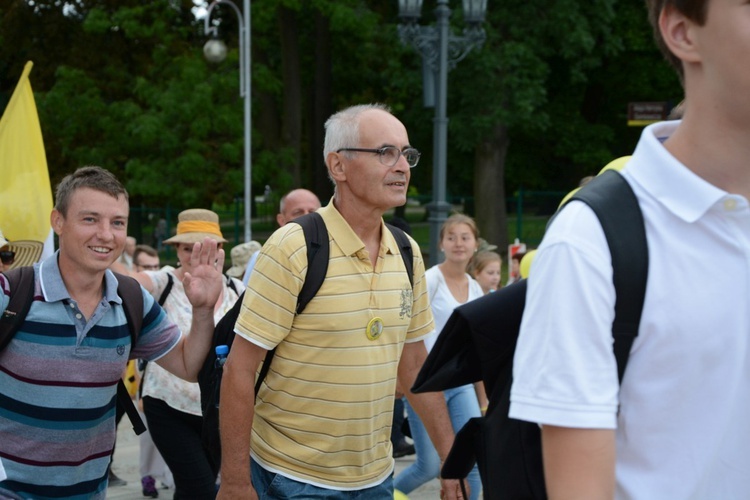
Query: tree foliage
point(123, 84)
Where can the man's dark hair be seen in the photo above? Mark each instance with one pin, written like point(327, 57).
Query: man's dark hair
point(92, 177)
point(148, 250)
point(696, 10)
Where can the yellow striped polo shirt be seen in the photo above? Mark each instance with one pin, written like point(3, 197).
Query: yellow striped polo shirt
point(323, 414)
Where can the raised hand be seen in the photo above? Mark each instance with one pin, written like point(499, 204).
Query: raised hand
point(204, 284)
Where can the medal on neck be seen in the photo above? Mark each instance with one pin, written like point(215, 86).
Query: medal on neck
point(374, 328)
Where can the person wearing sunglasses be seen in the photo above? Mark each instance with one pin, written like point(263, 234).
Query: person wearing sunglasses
point(7, 256)
point(18, 253)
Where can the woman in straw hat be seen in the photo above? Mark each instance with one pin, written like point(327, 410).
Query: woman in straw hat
point(172, 405)
point(18, 253)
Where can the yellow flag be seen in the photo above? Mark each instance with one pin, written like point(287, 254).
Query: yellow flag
point(25, 192)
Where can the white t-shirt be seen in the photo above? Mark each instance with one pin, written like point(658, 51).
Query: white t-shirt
point(442, 301)
point(681, 431)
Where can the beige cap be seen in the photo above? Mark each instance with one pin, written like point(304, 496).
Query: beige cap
point(240, 256)
point(195, 224)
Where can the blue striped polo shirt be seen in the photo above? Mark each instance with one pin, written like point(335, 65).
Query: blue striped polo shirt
point(58, 385)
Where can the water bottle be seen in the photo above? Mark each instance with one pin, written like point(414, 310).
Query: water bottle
point(221, 358)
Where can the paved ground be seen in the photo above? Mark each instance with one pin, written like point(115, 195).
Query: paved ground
point(126, 467)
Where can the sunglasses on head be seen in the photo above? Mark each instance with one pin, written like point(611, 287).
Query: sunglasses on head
point(7, 256)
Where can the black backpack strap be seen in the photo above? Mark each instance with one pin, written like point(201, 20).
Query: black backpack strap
point(132, 303)
point(407, 253)
point(318, 249)
point(21, 280)
point(167, 290)
point(612, 199)
point(318, 252)
point(230, 284)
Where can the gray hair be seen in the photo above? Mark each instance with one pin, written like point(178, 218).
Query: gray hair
point(342, 129)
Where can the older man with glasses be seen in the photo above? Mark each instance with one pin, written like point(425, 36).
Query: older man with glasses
point(320, 426)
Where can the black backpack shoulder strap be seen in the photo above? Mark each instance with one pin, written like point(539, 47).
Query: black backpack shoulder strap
point(231, 284)
point(612, 199)
point(21, 281)
point(132, 304)
point(318, 252)
point(167, 290)
point(407, 253)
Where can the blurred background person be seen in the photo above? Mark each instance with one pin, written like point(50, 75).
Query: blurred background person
point(241, 255)
point(126, 259)
point(18, 253)
point(449, 286)
point(485, 267)
point(172, 405)
point(145, 258)
point(295, 203)
point(151, 463)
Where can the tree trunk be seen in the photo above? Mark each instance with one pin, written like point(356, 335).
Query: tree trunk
point(291, 131)
point(489, 187)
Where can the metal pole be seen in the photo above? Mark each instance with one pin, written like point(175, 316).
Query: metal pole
point(243, 19)
point(440, 207)
point(245, 57)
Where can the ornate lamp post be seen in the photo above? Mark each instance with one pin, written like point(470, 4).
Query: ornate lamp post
point(215, 51)
point(441, 50)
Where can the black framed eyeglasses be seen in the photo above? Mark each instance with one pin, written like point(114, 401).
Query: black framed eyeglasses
point(7, 257)
point(389, 155)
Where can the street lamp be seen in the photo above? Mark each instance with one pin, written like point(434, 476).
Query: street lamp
point(215, 51)
point(441, 50)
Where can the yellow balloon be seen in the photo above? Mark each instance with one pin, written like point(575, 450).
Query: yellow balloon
point(526, 261)
point(397, 495)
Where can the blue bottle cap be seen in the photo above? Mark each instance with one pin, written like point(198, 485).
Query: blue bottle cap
point(222, 350)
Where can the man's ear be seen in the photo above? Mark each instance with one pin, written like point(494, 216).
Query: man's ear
point(56, 220)
point(336, 167)
point(679, 34)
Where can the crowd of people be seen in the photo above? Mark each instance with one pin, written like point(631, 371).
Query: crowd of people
point(321, 423)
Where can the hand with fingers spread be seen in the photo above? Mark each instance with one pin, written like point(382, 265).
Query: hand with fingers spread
point(204, 283)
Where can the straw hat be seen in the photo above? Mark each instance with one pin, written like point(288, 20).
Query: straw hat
point(240, 256)
point(27, 251)
point(195, 224)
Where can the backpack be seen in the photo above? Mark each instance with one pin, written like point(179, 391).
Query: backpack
point(22, 295)
point(479, 340)
point(209, 377)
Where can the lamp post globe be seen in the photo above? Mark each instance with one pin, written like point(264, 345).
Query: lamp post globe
point(215, 51)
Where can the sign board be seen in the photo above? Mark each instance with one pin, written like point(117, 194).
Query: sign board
point(641, 114)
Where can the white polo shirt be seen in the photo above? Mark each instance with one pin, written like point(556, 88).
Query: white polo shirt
point(682, 429)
